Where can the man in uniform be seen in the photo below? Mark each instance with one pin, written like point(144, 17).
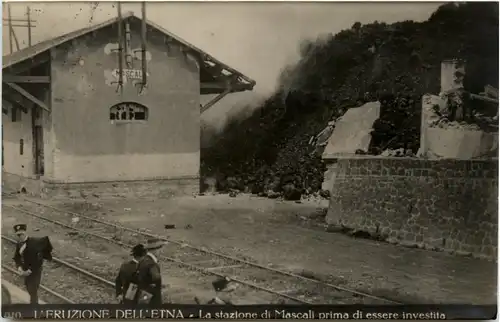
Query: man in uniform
point(29, 256)
point(150, 275)
point(127, 280)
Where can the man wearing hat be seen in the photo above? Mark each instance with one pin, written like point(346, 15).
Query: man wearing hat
point(149, 272)
point(223, 287)
point(127, 281)
point(29, 256)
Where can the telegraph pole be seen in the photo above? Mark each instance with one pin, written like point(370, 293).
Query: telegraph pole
point(22, 23)
point(11, 30)
point(29, 25)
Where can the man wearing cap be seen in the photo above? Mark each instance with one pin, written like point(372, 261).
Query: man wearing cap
point(126, 282)
point(29, 256)
point(149, 272)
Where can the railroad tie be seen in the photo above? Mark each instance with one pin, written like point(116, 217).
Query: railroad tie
point(287, 291)
point(192, 265)
point(201, 262)
point(224, 267)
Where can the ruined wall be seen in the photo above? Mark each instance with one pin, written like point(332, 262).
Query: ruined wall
point(352, 132)
point(91, 148)
point(447, 140)
point(438, 204)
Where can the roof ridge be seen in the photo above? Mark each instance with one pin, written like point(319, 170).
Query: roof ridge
point(30, 52)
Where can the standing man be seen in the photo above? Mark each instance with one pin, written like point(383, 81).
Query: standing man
point(150, 275)
point(126, 282)
point(29, 256)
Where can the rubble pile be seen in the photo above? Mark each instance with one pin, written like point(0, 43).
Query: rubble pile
point(397, 131)
point(271, 152)
point(443, 114)
point(444, 123)
point(398, 153)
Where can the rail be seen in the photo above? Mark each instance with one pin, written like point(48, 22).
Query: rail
point(65, 264)
point(191, 266)
point(43, 287)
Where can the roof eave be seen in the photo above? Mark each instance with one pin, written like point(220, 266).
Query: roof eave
point(239, 89)
point(16, 57)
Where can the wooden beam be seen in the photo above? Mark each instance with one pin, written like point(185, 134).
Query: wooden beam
point(32, 98)
point(222, 86)
point(215, 70)
point(25, 79)
point(215, 99)
point(218, 91)
point(211, 59)
point(219, 87)
point(27, 64)
point(28, 11)
point(15, 100)
point(471, 95)
point(17, 20)
point(18, 25)
point(4, 104)
point(483, 98)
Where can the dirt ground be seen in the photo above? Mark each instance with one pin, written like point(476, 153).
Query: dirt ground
point(285, 235)
point(103, 259)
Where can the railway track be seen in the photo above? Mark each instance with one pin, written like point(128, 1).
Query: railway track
point(45, 293)
point(292, 288)
point(68, 283)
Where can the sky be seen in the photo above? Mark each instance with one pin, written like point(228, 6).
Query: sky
point(256, 38)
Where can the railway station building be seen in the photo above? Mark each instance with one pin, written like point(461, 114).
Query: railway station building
point(80, 116)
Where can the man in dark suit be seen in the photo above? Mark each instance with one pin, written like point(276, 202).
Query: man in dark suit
point(29, 256)
point(150, 275)
point(127, 280)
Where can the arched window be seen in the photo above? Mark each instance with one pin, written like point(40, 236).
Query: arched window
point(128, 111)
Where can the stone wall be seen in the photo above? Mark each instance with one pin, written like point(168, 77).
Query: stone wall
point(437, 204)
point(44, 188)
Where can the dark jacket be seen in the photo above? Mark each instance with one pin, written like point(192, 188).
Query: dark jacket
point(150, 278)
point(36, 250)
point(6, 298)
point(126, 275)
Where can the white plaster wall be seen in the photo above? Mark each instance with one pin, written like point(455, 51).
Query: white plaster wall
point(87, 147)
point(110, 167)
point(13, 132)
point(449, 80)
point(456, 143)
point(460, 143)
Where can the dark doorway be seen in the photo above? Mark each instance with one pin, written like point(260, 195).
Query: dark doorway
point(36, 117)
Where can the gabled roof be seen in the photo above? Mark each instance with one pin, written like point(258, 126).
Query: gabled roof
point(207, 60)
